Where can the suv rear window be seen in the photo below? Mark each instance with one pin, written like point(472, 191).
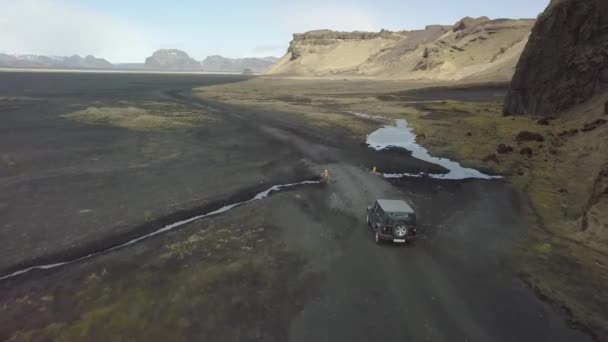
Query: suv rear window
point(403, 217)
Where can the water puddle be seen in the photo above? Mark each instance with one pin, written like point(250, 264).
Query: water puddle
point(401, 136)
point(164, 229)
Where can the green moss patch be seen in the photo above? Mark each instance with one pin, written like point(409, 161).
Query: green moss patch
point(136, 118)
point(220, 282)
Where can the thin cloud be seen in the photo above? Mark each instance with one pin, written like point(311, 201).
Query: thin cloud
point(48, 27)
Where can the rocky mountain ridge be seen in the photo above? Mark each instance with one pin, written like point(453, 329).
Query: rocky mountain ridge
point(160, 60)
point(178, 60)
point(171, 59)
point(38, 61)
point(472, 47)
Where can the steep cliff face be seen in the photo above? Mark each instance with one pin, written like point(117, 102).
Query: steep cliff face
point(472, 47)
point(327, 52)
point(565, 61)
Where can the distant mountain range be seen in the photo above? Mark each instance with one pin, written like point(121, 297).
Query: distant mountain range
point(161, 60)
point(173, 59)
point(219, 63)
point(36, 61)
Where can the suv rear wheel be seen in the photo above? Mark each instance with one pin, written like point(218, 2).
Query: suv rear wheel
point(400, 231)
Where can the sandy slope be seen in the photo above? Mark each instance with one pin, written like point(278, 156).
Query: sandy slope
point(473, 48)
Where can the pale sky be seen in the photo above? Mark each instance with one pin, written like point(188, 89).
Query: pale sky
point(129, 31)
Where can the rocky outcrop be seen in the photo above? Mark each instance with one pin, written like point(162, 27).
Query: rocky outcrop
point(251, 65)
point(565, 61)
point(596, 212)
point(37, 61)
point(468, 22)
point(524, 136)
point(504, 149)
point(172, 59)
point(470, 48)
point(305, 41)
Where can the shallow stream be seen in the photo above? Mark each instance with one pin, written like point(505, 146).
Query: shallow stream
point(401, 136)
point(164, 229)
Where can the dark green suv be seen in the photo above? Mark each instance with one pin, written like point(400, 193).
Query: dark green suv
point(392, 220)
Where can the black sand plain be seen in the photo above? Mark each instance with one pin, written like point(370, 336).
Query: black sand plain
point(298, 266)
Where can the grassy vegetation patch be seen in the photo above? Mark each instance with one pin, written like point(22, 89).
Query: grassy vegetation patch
point(16, 99)
point(136, 118)
point(223, 281)
point(568, 274)
point(469, 138)
point(8, 160)
point(15, 102)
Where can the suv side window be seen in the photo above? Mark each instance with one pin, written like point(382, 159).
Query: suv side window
point(379, 215)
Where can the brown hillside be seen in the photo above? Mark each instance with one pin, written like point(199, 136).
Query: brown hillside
point(472, 48)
